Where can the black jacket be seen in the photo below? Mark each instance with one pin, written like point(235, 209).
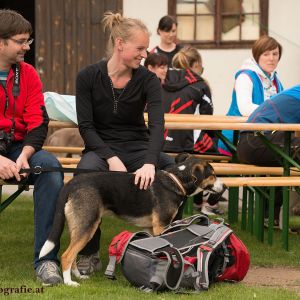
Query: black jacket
point(186, 93)
point(106, 131)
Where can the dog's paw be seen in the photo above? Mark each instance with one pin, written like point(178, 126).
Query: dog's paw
point(72, 283)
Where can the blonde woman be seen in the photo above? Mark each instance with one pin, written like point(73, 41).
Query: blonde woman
point(110, 100)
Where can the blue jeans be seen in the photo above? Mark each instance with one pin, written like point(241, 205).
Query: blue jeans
point(47, 186)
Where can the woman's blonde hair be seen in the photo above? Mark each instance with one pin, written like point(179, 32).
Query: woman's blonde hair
point(121, 27)
point(186, 57)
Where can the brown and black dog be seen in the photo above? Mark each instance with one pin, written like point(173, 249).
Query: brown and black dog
point(87, 197)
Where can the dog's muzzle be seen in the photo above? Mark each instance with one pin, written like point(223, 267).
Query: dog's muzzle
point(219, 187)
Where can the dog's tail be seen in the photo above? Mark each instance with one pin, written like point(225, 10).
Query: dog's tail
point(58, 224)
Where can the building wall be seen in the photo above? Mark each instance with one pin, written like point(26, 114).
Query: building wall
point(221, 65)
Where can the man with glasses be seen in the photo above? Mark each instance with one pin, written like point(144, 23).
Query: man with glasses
point(23, 129)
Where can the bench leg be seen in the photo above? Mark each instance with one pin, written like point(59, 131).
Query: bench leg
point(271, 215)
point(244, 208)
point(233, 205)
point(250, 212)
point(259, 217)
point(11, 198)
point(285, 218)
point(188, 209)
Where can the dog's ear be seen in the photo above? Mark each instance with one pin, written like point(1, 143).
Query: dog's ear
point(181, 157)
point(199, 173)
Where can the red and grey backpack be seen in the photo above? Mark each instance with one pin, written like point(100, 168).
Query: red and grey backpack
point(189, 253)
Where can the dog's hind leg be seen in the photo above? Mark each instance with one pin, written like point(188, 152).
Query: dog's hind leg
point(68, 258)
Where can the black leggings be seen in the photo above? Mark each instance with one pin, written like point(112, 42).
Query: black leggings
point(133, 161)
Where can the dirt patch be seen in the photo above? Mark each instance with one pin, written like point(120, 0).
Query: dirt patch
point(288, 278)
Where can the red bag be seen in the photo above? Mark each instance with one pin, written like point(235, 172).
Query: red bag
point(239, 269)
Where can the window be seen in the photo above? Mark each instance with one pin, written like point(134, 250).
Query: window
point(220, 23)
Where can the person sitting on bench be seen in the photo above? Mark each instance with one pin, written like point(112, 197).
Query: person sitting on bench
point(23, 129)
point(282, 108)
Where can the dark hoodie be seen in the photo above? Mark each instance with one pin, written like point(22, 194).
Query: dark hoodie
point(186, 93)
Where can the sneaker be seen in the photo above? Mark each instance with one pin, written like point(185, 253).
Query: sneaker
point(211, 210)
point(276, 224)
point(88, 264)
point(48, 273)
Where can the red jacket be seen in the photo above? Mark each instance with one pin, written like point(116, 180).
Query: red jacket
point(31, 118)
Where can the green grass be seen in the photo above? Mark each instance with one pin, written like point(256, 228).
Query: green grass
point(16, 269)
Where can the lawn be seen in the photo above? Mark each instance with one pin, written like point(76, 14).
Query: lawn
point(16, 271)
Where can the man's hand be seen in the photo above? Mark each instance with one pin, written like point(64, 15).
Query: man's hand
point(22, 161)
point(145, 176)
point(8, 169)
point(115, 164)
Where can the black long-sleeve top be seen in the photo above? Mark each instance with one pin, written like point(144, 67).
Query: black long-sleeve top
point(104, 122)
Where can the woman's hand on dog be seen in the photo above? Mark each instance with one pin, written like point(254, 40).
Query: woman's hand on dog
point(145, 176)
point(115, 164)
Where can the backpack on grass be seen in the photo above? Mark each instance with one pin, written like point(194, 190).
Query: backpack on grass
point(190, 253)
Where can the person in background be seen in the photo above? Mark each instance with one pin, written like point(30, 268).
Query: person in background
point(185, 91)
point(255, 82)
point(167, 30)
point(110, 99)
point(157, 64)
point(281, 108)
point(23, 129)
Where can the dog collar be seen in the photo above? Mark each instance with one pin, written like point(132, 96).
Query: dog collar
point(177, 181)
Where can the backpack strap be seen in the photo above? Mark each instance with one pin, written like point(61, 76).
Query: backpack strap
point(204, 252)
point(200, 219)
point(172, 274)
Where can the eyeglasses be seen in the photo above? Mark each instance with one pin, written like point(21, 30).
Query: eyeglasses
point(22, 43)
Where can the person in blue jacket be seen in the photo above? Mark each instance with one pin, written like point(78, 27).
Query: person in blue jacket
point(255, 82)
point(282, 108)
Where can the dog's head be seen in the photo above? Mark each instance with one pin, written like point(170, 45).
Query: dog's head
point(196, 175)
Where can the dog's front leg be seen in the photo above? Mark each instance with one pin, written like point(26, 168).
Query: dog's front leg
point(157, 228)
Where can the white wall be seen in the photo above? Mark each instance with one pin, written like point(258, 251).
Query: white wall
point(221, 65)
point(284, 26)
point(149, 11)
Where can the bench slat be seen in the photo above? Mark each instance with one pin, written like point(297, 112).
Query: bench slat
point(260, 181)
point(245, 169)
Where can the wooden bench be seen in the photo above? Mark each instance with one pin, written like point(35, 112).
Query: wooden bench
point(240, 172)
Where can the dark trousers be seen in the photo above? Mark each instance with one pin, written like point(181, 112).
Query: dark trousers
point(132, 162)
point(252, 150)
point(47, 186)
